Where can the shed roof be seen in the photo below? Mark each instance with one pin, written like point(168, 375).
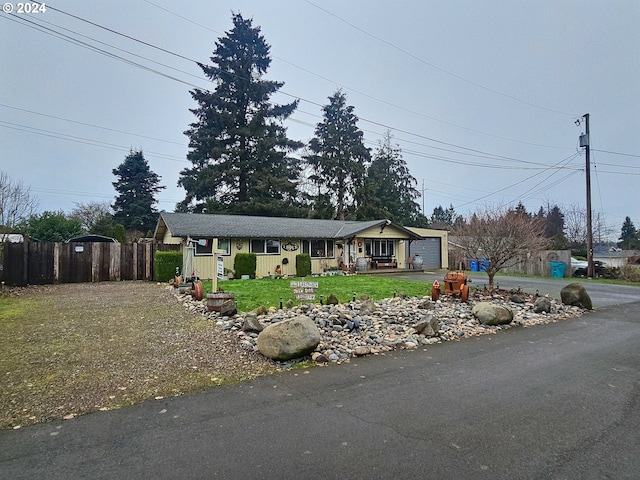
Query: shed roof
point(241, 226)
point(92, 238)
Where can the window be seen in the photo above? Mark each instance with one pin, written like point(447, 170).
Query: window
point(380, 248)
point(259, 245)
point(224, 244)
point(204, 246)
point(318, 248)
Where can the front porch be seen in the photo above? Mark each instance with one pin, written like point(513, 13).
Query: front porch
point(381, 271)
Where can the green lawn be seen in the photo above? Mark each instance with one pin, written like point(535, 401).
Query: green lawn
point(253, 293)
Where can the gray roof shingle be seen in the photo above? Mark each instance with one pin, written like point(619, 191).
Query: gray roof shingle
point(240, 226)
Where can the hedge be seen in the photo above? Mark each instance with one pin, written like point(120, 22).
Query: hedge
point(303, 265)
point(165, 264)
point(245, 264)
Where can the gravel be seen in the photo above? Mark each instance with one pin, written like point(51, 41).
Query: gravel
point(77, 348)
point(390, 324)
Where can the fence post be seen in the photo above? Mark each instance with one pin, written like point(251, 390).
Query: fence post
point(95, 262)
point(25, 261)
point(56, 262)
point(148, 261)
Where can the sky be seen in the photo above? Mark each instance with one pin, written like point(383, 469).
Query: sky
point(485, 99)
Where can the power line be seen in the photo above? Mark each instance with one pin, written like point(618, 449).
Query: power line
point(93, 126)
point(118, 33)
point(339, 84)
point(85, 141)
point(616, 153)
point(509, 186)
point(415, 57)
point(477, 152)
point(72, 40)
point(280, 91)
point(65, 37)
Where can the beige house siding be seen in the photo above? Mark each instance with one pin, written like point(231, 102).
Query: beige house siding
point(266, 264)
point(387, 239)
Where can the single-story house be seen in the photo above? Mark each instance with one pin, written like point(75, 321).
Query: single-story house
point(276, 241)
point(615, 257)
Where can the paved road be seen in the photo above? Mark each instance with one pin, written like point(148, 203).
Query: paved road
point(557, 401)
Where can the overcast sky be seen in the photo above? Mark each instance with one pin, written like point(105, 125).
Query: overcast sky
point(482, 96)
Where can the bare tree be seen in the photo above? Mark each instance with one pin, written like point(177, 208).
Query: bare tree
point(503, 237)
point(575, 225)
point(92, 215)
point(16, 203)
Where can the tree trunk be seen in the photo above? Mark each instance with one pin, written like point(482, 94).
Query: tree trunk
point(491, 274)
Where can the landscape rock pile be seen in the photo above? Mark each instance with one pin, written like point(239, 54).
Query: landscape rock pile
point(364, 327)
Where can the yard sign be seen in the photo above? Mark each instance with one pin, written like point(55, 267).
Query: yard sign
point(304, 290)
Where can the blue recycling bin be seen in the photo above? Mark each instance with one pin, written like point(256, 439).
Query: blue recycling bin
point(474, 265)
point(557, 269)
point(484, 264)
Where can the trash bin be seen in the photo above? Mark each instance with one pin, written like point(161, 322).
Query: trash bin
point(557, 269)
point(474, 265)
point(484, 264)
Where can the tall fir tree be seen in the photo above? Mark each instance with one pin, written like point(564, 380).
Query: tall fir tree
point(338, 157)
point(628, 235)
point(388, 190)
point(137, 186)
point(238, 146)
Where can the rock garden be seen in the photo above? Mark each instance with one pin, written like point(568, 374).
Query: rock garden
point(334, 333)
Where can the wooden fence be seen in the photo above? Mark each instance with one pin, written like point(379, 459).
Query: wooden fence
point(39, 263)
point(535, 264)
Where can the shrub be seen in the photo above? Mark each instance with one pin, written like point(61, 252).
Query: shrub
point(303, 265)
point(165, 264)
point(245, 264)
point(630, 273)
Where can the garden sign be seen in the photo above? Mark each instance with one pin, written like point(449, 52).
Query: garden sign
point(304, 290)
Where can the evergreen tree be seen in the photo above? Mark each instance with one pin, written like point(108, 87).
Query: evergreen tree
point(628, 235)
point(238, 146)
point(522, 210)
point(445, 218)
point(137, 186)
point(389, 189)
point(554, 227)
point(338, 156)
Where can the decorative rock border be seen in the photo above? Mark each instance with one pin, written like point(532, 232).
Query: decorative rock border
point(352, 329)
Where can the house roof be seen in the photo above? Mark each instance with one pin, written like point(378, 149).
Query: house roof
point(241, 226)
point(92, 238)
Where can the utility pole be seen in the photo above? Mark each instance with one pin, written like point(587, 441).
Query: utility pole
point(586, 143)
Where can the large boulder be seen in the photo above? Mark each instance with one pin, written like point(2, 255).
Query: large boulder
point(291, 338)
point(491, 314)
point(576, 295)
